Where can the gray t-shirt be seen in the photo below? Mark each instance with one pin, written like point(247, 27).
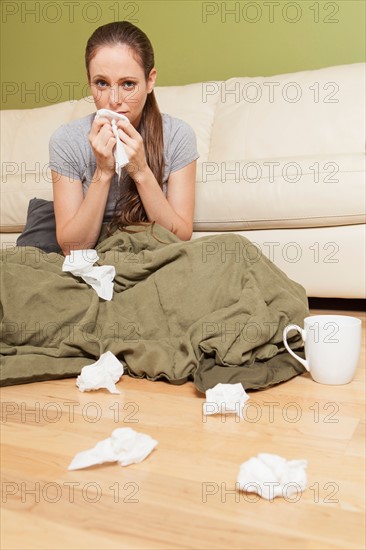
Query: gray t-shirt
point(71, 154)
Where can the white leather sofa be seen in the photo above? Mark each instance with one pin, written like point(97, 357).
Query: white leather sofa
point(282, 162)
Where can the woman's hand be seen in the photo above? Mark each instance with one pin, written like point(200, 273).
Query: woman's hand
point(134, 147)
point(102, 141)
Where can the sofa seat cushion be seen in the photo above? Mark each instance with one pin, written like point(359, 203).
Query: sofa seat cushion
point(266, 194)
point(16, 192)
point(302, 192)
point(275, 193)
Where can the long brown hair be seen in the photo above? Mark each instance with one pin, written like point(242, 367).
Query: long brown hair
point(129, 208)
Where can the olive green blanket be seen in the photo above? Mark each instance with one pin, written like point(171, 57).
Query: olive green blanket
point(209, 310)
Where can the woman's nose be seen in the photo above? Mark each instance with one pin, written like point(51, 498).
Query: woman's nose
point(116, 95)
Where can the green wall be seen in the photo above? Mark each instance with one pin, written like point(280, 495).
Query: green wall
point(42, 53)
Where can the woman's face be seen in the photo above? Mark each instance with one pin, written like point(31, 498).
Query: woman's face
point(118, 82)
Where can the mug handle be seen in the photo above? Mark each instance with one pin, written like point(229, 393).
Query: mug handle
point(302, 332)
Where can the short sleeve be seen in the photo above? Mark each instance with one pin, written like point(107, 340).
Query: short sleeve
point(183, 146)
point(63, 154)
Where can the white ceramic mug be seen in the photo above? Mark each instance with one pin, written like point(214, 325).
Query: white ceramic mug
point(332, 347)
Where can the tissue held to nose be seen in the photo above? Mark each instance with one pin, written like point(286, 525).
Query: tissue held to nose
point(120, 155)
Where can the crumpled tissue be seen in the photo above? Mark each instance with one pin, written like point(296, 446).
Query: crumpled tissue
point(272, 476)
point(102, 374)
point(225, 398)
point(120, 155)
point(80, 263)
point(124, 446)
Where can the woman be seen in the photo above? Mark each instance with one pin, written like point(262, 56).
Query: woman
point(174, 315)
point(158, 184)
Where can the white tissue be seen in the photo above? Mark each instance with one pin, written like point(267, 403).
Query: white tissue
point(125, 446)
point(272, 476)
point(119, 151)
point(225, 398)
point(80, 263)
point(102, 374)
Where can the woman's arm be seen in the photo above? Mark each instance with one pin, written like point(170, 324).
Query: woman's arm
point(174, 212)
point(78, 219)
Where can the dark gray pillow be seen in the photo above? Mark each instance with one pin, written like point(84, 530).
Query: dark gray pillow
point(40, 228)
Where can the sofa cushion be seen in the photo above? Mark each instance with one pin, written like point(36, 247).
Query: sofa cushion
point(317, 112)
point(16, 192)
point(302, 192)
point(40, 228)
point(25, 135)
point(194, 104)
point(277, 193)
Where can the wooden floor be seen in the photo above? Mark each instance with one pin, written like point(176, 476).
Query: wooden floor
point(182, 496)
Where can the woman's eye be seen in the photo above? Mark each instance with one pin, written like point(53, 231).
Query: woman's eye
point(129, 82)
point(101, 83)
